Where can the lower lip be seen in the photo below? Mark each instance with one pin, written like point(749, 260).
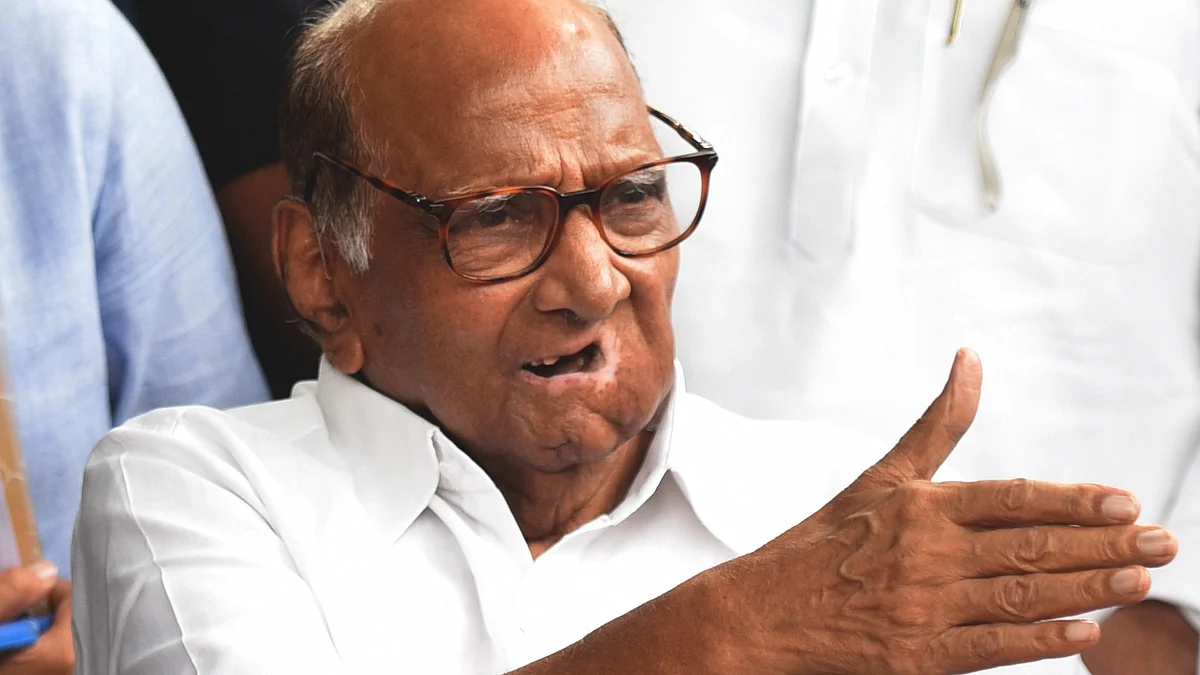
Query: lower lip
point(561, 384)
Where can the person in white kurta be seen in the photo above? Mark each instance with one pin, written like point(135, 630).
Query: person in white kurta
point(499, 462)
point(848, 243)
point(337, 532)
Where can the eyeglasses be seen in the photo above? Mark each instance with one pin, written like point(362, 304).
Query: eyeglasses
point(503, 234)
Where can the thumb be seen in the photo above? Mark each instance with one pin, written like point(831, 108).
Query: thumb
point(21, 587)
point(921, 451)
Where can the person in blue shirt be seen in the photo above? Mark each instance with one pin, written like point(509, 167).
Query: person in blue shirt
point(117, 294)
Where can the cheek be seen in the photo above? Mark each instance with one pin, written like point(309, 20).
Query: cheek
point(653, 289)
point(430, 338)
point(647, 340)
point(670, 268)
point(457, 340)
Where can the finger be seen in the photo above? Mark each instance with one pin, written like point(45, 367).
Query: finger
point(966, 650)
point(1067, 549)
point(1037, 597)
point(60, 631)
point(20, 587)
point(60, 599)
point(1025, 502)
point(54, 652)
point(922, 450)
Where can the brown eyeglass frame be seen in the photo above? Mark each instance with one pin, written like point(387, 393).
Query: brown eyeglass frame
point(704, 159)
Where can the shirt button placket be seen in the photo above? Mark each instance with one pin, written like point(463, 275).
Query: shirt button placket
point(833, 107)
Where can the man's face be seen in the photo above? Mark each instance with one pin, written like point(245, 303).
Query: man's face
point(544, 100)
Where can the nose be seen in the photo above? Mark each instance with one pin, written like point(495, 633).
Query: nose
point(579, 277)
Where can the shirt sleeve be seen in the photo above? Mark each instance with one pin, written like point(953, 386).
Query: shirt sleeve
point(168, 299)
point(160, 591)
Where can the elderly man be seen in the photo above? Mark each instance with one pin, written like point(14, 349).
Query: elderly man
point(498, 469)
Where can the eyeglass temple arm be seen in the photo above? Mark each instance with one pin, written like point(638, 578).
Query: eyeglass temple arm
point(411, 198)
point(688, 135)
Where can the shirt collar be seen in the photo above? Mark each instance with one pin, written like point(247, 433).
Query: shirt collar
point(396, 457)
point(387, 448)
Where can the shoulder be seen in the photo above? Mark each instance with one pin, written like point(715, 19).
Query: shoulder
point(248, 451)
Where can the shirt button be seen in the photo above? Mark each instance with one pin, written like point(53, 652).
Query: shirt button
point(838, 73)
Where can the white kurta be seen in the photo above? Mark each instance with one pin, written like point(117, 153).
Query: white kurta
point(847, 252)
point(337, 532)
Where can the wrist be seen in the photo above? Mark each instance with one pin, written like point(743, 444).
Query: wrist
point(748, 626)
point(721, 628)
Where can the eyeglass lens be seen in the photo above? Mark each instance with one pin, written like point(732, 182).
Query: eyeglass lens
point(503, 233)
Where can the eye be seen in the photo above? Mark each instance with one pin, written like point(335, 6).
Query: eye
point(641, 186)
point(492, 211)
point(509, 214)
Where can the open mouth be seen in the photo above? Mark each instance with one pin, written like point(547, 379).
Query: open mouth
point(585, 360)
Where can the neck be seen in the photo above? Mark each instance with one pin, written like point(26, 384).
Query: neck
point(548, 506)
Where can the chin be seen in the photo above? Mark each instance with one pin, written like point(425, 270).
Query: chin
point(591, 436)
point(555, 423)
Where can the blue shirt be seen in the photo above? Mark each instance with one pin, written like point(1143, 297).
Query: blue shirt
point(116, 290)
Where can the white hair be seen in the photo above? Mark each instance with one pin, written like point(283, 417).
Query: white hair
point(318, 115)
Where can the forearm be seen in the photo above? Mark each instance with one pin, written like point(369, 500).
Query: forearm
point(1151, 637)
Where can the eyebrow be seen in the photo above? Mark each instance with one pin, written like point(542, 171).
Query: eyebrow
point(476, 188)
point(476, 185)
point(547, 178)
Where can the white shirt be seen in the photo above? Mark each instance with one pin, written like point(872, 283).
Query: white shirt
point(846, 251)
point(338, 532)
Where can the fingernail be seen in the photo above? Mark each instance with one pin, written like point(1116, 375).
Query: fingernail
point(1119, 508)
point(45, 570)
point(1156, 542)
point(1082, 631)
point(1128, 582)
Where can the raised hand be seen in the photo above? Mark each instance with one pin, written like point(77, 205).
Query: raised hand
point(900, 575)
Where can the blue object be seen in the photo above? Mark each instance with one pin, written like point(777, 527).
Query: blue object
point(117, 293)
point(23, 633)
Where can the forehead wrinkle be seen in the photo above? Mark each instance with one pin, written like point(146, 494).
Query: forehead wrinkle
point(527, 173)
point(563, 167)
point(564, 159)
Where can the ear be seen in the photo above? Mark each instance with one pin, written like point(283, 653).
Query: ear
point(311, 285)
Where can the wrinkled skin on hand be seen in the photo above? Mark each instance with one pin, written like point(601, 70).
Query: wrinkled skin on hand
point(54, 652)
point(901, 575)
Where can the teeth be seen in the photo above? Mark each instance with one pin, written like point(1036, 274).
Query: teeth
point(549, 361)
